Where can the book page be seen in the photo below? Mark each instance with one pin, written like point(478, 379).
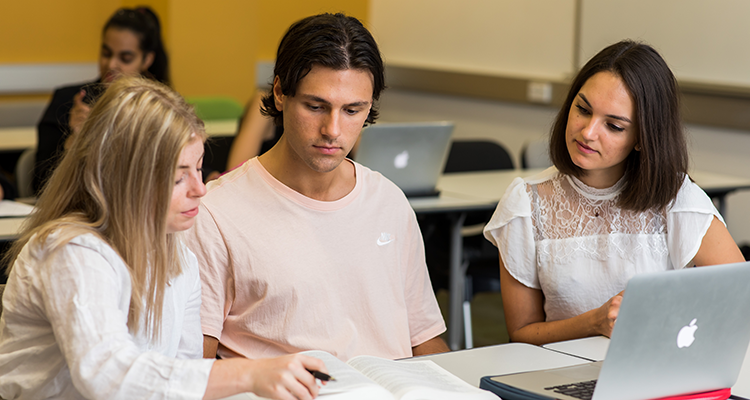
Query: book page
point(349, 383)
point(417, 379)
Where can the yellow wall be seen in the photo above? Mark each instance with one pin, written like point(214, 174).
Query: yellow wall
point(273, 24)
point(40, 31)
point(213, 47)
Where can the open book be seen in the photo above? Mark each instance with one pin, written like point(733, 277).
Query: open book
point(366, 377)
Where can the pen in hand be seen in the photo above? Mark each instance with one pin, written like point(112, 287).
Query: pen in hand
point(321, 375)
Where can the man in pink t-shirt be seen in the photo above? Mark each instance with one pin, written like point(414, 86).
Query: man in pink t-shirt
point(301, 248)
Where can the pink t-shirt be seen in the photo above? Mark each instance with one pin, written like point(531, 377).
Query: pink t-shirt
point(284, 273)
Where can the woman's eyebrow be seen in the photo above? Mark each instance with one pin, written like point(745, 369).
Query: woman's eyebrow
point(618, 117)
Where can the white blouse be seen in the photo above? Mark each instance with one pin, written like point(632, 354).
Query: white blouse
point(571, 241)
point(64, 334)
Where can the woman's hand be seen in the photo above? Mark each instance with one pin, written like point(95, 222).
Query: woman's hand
point(286, 377)
point(606, 315)
point(526, 320)
point(78, 114)
point(283, 378)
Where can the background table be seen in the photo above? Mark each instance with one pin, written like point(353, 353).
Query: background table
point(461, 193)
point(24, 137)
point(483, 190)
point(17, 138)
point(10, 227)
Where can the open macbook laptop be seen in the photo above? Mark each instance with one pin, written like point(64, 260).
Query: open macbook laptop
point(411, 155)
point(677, 332)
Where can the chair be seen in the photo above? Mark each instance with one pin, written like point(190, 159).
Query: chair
point(477, 155)
point(216, 107)
point(480, 258)
point(216, 154)
point(535, 155)
point(217, 147)
point(25, 172)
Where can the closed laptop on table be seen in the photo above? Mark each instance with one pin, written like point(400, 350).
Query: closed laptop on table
point(677, 332)
point(411, 155)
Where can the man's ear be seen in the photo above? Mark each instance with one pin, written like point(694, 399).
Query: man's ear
point(278, 97)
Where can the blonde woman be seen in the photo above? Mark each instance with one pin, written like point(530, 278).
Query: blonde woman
point(103, 299)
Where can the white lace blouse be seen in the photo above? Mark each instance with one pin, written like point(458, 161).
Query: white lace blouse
point(572, 241)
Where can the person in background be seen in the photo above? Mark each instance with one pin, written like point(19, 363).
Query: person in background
point(618, 202)
point(301, 248)
point(256, 135)
point(103, 298)
point(131, 45)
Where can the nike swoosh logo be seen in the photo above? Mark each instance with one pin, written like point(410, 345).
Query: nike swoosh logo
point(382, 243)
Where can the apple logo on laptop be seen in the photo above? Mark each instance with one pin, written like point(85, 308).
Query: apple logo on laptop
point(686, 335)
point(401, 160)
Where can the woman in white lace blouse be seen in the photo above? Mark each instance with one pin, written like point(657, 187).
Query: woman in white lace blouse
point(617, 202)
point(103, 299)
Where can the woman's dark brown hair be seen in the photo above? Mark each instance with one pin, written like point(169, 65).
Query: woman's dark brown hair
point(144, 23)
point(653, 175)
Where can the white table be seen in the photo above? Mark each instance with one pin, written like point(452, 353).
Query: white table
point(471, 365)
point(595, 349)
point(718, 186)
point(24, 137)
point(221, 127)
point(12, 215)
point(471, 191)
point(10, 227)
point(17, 138)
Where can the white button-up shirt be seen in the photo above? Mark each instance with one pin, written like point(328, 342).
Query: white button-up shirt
point(64, 334)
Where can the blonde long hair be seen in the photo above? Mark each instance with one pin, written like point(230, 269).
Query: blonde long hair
point(116, 182)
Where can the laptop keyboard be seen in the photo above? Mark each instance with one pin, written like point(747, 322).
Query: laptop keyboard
point(580, 390)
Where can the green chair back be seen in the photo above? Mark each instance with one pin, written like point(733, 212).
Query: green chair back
point(216, 107)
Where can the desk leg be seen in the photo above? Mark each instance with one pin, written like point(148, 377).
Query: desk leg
point(457, 278)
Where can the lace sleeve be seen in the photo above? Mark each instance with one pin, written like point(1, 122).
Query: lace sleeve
point(688, 220)
point(511, 231)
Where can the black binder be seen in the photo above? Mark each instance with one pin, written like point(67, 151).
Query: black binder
point(507, 392)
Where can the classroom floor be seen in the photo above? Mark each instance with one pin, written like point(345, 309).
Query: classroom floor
point(488, 319)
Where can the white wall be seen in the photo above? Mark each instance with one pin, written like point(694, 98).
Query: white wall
point(711, 149)
point(702, 41)
point(530, 38)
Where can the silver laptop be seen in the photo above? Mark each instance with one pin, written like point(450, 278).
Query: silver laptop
point(411, 155)
point(678, 332)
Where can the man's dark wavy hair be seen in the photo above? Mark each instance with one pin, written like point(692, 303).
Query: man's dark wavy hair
point(333, 41)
